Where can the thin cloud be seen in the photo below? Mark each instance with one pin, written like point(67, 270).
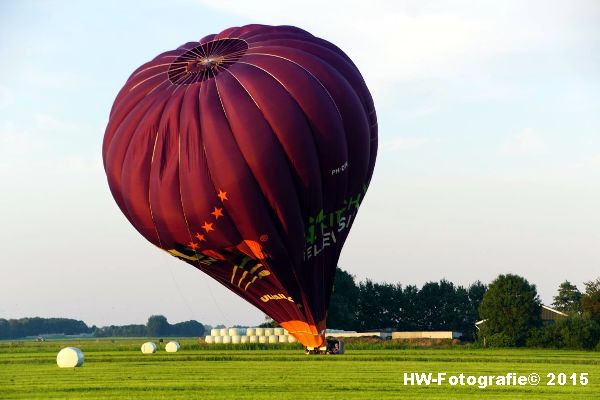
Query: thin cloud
point(16, 141)
point(592, 162)
point(396, 42)
point(6, 97)
point(526, 142)
point(404, 143)
point(49, 122)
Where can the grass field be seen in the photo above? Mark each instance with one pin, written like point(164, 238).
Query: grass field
point(116, 369)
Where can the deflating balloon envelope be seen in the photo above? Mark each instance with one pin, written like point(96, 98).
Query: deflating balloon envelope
point(247, 154)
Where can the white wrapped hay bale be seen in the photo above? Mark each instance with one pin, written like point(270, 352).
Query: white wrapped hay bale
point(69, 357)
point(253, 339)
point(149, 348)
point(278, 331)
point(236, 339)
point(273, 339)
point(291, 339)
point(218, 339)
point(215, 332)
point(172, 347)
point(268, 331)
point(283, 338)
point(244, 339)
point(259, 331)
point(209, 339)
point(250, 332)
point(233, 332)
point(262, 339)
point(223, 332)
point(226, 339)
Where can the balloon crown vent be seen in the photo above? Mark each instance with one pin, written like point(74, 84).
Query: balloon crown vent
point(206, 61)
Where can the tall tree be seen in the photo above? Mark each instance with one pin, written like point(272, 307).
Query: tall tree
point(568, 298)
point(511, 307)
point(344, 301)
point(590, 301)
point(475, 294)
point(413, 309)
point(460, 312)
point(388, 296)
point(436, 308)
point(187, 328)
point(369, 313)
point(157, 325)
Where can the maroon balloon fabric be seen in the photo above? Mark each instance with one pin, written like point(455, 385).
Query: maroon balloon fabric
point(247, 155)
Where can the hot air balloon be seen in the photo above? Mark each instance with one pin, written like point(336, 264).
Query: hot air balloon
point(247, 155)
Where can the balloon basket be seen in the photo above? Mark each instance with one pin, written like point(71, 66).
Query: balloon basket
point(331, 346)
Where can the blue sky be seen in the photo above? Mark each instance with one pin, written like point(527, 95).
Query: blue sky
point(489, 160)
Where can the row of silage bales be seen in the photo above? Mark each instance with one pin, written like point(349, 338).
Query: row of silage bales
point(151, 347)
point(248, 335)
point(71, 357)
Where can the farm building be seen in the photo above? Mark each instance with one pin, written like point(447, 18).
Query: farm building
point(346, 334)
point(396, 335)
point(549, 315)
point(427, 335)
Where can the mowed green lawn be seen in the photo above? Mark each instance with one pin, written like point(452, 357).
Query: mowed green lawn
point(118, 370)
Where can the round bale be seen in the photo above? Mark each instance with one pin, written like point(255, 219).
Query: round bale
point(259, 331)
point(236, 339)
point(250, 332)
point(268, 331)
point(223, 332)
point(69, 357)
point(234, 332)
point(218, 339)
point(254, 339)
point(226, 339)
point(215, 332)
point(172, 347)
point(149, 348)
point(291, 339)
point(283, 338)
point(273, 339)
point(244, 339)
point(209, 339)
point(278, 331)
point(262, 339)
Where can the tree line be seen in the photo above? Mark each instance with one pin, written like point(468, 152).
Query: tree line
point(368, 306)
point(509, 307)
point(157, 325)
point(17, 328)
point(512, 311)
